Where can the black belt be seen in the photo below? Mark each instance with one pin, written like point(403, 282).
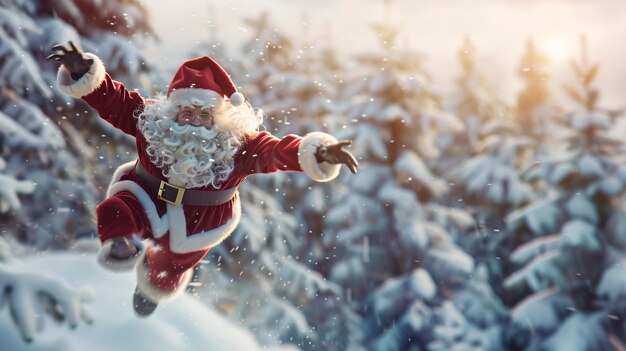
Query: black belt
point(176, 195)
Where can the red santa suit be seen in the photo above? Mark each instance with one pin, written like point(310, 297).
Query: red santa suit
point(182, 234)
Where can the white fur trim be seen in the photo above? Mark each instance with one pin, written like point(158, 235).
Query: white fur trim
point(89, 82)
point(196, 97)
point(237, 99)
point(174, 220)
point(118, 265)
point(159, 295)
point(321, 172)
point(180, 242)
point(119, 172)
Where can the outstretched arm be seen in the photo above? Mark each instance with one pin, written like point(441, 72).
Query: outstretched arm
point(319, 155)
point(82, 75)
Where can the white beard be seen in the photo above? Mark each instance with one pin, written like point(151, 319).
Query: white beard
point(188, 156)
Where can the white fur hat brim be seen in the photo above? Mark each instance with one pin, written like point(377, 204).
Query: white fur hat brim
point(196, 97)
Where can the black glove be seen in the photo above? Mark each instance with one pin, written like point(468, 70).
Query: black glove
point(72, 58)
point(123, 249)
point(335, 154)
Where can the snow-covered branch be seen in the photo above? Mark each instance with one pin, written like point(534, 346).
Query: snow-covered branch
point(9, 189)
point(541, 273)
point(19, 70)
point(17, 26)
point(30, 296)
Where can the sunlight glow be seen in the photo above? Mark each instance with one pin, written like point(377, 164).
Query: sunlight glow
point(557, 48)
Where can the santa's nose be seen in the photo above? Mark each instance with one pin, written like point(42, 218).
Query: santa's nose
point(196, 120)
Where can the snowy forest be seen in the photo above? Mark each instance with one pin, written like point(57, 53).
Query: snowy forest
point(472, 224)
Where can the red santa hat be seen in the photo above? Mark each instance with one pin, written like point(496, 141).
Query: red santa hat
point(202, 82)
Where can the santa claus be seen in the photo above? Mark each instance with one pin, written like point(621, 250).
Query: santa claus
point(195, 146)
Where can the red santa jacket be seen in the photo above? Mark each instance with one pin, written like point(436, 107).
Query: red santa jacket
point(191, 228)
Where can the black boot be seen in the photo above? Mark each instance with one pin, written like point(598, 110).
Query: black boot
point(142, 304)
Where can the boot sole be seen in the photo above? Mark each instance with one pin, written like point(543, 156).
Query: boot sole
point(143, 306)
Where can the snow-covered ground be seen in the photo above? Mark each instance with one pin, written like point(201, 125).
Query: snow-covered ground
point(183, 324)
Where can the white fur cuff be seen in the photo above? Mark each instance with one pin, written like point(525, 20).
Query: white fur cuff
point(159, 295)
point(89, 82)
point(106, 261)
point(321, 172)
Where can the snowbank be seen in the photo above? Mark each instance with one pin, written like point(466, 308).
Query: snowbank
point(183, 324)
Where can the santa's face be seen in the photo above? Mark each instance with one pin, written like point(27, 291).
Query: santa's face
point(196, 116)
point(195, 146)
point(186, 143)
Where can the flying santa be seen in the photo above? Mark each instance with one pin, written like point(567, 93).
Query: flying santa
point(195, 145)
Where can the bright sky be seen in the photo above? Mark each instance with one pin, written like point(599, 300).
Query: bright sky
point(500, 29)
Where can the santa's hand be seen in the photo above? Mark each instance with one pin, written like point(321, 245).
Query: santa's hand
point(336, 154)
point(72, 58)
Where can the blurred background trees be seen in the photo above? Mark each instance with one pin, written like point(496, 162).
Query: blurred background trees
point(52, 142)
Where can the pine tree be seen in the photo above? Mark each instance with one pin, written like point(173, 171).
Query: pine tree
point(257, 276)
point(270, 58)
point(253, 278)
point(385, 240)
point(49, 140)
point(533, 109)
point(310, 102)
point(573, 236)
point(485, 169)
point(474, 103)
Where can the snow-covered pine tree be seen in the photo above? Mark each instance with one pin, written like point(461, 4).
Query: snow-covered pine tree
point(302, 101)
point(573, 238)
point(534, 111)
point(257, 277)
point(386, 241)
point(46, 139)
point(490, 185)
point(309, 102)
point(303, 97)
point(475, 104)
point(270, 52)
point(306, 102)
point(45, 155)
point(253, 278)
point(485, 167)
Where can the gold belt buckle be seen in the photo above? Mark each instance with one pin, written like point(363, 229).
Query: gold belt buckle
point(179, 194)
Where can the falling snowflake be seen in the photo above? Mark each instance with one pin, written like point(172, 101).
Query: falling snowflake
point(162, 274)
